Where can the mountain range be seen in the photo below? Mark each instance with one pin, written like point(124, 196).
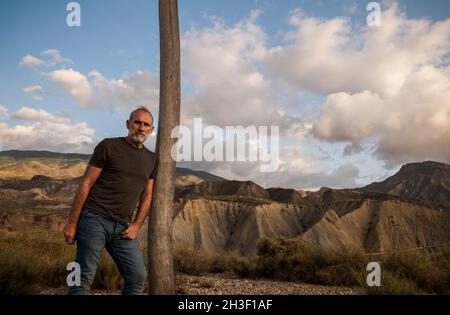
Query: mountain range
point(407, 210)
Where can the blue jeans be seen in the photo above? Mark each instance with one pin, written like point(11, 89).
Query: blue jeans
point(94, 233)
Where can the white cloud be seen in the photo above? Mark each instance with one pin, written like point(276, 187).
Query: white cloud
point(76, 84)
point(37, 90)
point(229, 88)
point(328, 56)
point(387, 84)
point(412, 125)
point(46, 132)
point(294, 159)
point(141, 88)
point(138, 89)
point(27, 113)
point(56, 57)
point(342, 116)
point(31, 61)
point(34, 89)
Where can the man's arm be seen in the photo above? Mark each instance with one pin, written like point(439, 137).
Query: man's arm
point(89, 178)
point(144, 206)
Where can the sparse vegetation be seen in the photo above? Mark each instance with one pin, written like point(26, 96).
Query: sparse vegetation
point(402, 273)
point(34, 259)
point(301, 261)
point(195, 261)
point(428, 274)
point(107, 276)
point(392, 284)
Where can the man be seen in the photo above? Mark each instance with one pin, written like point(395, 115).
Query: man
point(120, 173)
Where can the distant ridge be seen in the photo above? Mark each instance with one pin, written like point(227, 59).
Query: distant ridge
point(427, 180)
point(182, 171)
point(21, 155)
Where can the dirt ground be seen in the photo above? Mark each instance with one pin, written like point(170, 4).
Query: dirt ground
point(229, 284)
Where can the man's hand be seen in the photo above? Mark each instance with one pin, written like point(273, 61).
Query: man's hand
point(131, 232)
point(69, 232)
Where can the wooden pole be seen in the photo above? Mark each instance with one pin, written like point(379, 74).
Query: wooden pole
point(160, 248)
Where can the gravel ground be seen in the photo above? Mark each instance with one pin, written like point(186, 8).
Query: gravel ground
point(225, 284)
point(228, 284)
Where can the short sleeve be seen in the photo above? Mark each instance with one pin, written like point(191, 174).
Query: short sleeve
point(153, 172)
point(100, 155)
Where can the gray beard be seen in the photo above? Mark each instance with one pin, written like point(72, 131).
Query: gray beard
point(136, 138)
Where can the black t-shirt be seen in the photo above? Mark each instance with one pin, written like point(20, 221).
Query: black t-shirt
point(126, 171)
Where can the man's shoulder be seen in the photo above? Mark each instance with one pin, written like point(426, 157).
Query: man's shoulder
point(150, 153)
point(109, 141)
point(116, 139)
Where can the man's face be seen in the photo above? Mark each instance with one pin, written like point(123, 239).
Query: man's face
point(140, 126)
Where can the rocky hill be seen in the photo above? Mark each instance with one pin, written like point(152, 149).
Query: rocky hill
point(418, 181)
point(408, 210)
point(373, 223)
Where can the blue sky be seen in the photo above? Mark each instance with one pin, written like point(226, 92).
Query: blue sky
point(84, 80)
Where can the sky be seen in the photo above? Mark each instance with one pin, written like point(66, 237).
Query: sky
point(352, 102)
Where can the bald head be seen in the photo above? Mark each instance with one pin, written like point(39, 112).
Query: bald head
point(140, 109)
